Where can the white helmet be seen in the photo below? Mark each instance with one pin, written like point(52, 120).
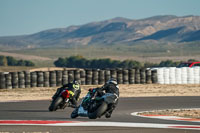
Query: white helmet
point(112, 81)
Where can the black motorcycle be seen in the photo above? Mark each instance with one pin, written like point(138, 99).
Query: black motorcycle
point(61, 101)
point(94, 105)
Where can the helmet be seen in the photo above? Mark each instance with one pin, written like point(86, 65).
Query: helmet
point(112, 81)
point(76, 85)
point(75, 82)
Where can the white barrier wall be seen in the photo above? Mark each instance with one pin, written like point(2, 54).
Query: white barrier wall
point(172, 75)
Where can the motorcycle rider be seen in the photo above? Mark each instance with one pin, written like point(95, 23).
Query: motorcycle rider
point(111, 87)
point(74, 90)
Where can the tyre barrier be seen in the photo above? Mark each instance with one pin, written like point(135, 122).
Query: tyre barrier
point(21, 79)
point(27, 79)
point(119, 76)
point(52, 79)
point(95, 77)
point(170, 75)
point(46, 79)
point(82, 77)
point(8, 81)
point(58, 78)
point(131, 76)
point(33, 79)
point(70, 76)
point(88, 76)
point(40, 79)
point(77, 75)
point(15, 80)
point(64, 77)
point(101, 77)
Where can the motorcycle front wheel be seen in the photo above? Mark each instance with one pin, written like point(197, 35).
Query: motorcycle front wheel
point(99, 111)
point(54, 105)
point(74, 114)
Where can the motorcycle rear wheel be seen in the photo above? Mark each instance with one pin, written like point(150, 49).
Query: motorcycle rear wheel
point(54, 105)
point(98, 113)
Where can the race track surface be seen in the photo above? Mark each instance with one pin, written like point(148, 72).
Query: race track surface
point(38, 110)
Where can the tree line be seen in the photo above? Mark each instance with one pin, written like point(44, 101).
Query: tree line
point(10, 61)
point(81, 62)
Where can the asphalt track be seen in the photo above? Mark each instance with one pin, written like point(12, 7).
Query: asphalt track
point(38, 110)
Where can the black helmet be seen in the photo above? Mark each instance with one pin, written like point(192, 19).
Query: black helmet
point(112, 81)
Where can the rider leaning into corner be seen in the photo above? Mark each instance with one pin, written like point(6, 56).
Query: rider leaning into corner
point(111, 88)
point(74, 90)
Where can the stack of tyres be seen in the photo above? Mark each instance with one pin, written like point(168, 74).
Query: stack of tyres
point(82, 77)
point(160, 75)
point(190, 74)
point(46, 79)
point(166, 75)
point(178, 75)
point(65, 77)
point(21, 79)
point(196, 75)
point(172, 79)
point(14, 79)
point(184, 75)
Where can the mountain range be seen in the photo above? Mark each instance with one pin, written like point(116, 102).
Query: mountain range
point(167, 28)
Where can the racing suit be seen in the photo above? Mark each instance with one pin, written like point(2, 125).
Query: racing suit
point(74, 91)
point(112, 89)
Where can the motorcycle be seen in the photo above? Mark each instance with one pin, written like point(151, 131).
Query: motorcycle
point(61, 101)
point(94, 105)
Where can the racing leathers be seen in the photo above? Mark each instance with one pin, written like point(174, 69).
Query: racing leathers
point(74, 90)
point(113, 90)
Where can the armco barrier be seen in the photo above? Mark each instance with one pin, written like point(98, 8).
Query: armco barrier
point(26, 79)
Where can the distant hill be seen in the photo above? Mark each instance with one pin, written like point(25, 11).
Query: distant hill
point(166, 28)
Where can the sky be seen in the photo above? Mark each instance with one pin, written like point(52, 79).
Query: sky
point(22, 17)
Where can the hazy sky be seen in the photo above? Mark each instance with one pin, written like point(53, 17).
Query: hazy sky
point(19, 17)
